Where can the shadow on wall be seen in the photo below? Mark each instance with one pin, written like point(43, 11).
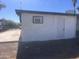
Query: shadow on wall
point(58, 49)
point(78, 23)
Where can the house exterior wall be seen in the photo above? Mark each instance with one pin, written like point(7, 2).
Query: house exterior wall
point(78, 23)
point(49, 29)
point(70, 27)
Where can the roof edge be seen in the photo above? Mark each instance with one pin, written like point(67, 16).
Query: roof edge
point(18, 12)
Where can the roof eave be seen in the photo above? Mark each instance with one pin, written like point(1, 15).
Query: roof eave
point(18, 12)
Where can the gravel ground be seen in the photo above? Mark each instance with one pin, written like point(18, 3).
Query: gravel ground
point(8, 50)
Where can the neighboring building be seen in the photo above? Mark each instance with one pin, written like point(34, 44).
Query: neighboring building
point(70, 11)
point(42, 26)
point(2, 24)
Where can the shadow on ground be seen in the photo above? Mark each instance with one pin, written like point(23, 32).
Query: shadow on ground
point(58, 49)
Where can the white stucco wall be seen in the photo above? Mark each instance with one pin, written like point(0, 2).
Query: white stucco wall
point(70, 27)
point(49, 30)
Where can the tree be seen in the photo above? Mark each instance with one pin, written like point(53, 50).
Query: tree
point(2, 5)
point(74, 2)
point(74, 5)
point(78, 8)
point(11, 24)
point(70, 11)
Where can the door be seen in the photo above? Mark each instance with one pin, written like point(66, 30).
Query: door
point(60, 27)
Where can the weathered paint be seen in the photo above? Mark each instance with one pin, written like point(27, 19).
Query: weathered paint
point(51, 29)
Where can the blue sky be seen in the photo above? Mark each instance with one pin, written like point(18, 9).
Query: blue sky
point(38, 5)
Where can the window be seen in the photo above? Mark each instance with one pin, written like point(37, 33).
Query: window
point(37, 19)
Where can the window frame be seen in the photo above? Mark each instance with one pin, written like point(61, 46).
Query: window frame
point(40, 20)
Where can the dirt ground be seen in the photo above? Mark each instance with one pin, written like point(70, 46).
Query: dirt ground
point(9, 44)
point(8, 50)
point(10, 35)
